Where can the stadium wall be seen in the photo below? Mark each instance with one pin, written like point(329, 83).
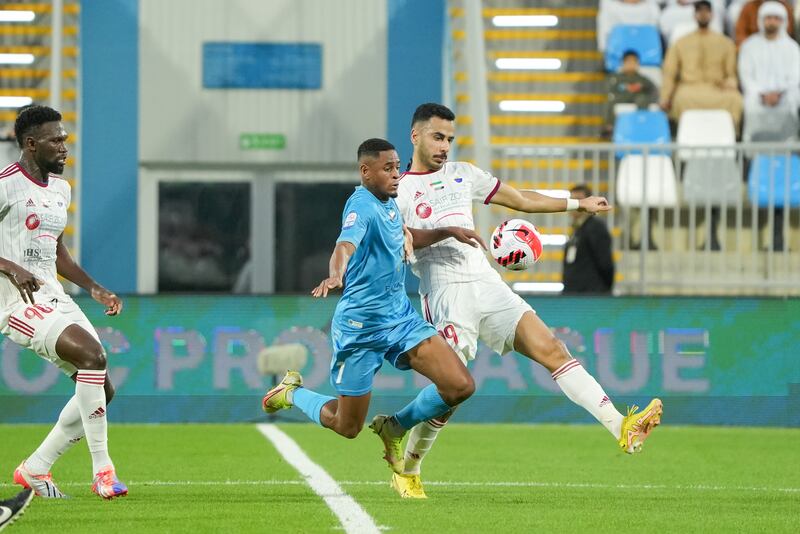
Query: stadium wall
point(713, 361)
point(387, 59)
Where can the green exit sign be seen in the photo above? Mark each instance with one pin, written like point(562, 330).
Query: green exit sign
point(262, 141)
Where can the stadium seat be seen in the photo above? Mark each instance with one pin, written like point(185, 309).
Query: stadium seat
point(706, 128)
point(645, 40)
point(768, 181)
point(712, 181)
point(657, 174)
point(641, 127)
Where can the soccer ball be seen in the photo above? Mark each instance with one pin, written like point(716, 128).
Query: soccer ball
point(516, 244)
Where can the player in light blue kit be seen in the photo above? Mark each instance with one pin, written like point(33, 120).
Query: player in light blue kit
point(374, 320)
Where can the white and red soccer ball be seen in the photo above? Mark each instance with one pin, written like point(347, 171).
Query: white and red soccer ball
point(516, 244)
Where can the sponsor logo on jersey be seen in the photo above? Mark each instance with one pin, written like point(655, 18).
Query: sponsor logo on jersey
point(355, 324)
point(350, 220)
point(30, 203)
point(417, 195)
point(424, 210)
point(33, 253)
point(32, 221)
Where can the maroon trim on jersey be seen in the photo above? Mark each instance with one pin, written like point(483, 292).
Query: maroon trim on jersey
point(420, 173)
point(10, 170)
point(31, 178)
point(496, 187)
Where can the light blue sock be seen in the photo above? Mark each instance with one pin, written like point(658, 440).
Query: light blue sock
point(427, 405)
point(310, 403)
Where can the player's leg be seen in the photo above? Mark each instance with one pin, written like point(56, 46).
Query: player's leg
point(533, 339)
point(78, 347)
point(452, 384)
point(67, 431)
point(355, 362)
point(457, 323)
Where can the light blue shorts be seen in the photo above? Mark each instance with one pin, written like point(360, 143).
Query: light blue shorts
point(357, 356)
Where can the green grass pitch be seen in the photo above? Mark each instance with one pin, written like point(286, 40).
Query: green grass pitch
point(479, 478)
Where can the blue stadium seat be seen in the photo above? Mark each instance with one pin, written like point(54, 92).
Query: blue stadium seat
point(645, 40)
point(641, 127)
point(771, 172)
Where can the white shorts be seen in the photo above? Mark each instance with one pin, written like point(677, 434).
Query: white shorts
point(37, 326)
point(467, 311)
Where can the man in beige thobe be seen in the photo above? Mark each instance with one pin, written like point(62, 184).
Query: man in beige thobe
point(700, 71)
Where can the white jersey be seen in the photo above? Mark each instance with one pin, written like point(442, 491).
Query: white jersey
point(444, 198)
point(32, 217)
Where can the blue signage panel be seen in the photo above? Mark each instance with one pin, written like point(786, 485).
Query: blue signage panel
point(262, 66)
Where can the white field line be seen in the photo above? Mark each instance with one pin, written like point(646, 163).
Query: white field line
point(353, 518)
point(442, 483)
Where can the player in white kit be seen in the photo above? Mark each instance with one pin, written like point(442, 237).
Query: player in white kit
point(36, 313)
point(465, 298)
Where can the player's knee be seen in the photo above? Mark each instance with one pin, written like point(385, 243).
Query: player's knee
point(555, 352)
point(461, 390)
point(95, 358)
point(350, 431)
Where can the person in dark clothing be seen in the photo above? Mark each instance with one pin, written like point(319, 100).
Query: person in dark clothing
point(588, 265)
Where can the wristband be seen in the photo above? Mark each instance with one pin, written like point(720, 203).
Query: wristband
point(573, 204)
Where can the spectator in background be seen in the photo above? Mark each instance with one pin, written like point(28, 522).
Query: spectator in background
point(748, 23)
point(769, 67)
point(678, 15)
point(769, 63)
point(700, 71)
point(628, 86)
point(588, 265)
point(630, 12)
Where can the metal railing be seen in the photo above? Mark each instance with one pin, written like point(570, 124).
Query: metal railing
point(687, 219)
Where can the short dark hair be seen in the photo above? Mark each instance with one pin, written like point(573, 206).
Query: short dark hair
point(33, 117)
point(373, 147)
point(581, 188)
point(627, 53)
point(702, 3)
point(424, 112)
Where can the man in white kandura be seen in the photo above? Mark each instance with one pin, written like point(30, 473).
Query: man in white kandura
point(465, 298)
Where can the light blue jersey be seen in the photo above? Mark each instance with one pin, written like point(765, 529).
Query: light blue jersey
point(374, 284)
point(374, 320)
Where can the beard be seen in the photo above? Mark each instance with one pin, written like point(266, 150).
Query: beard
point(704, 24)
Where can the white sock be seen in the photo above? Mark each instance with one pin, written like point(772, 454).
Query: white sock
point(582, 389)
point(67, 431)
point(419, 443)
point(92, 406)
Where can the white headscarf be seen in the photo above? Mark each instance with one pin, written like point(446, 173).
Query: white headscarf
point(775, 9)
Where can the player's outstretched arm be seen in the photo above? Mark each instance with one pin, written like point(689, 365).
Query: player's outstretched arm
point(338, 265)
point(426, 238)
point(67, 267)
point(533, 202)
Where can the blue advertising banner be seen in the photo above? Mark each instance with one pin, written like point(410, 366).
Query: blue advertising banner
point(195, 358)
point(262, 65)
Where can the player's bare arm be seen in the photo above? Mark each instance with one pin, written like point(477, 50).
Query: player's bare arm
point(338, 265)
point(533, 202)
point(25, 282)
point(426, 238)
point(67, 267)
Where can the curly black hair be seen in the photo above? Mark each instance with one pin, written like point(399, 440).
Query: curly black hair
point(373, 147)
point(33, 117)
